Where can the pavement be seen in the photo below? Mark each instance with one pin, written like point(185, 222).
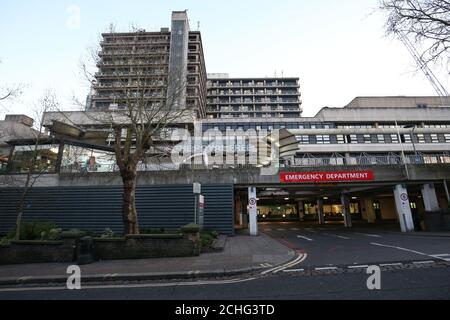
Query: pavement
point(241, 254)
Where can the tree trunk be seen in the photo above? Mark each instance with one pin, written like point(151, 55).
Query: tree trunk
point(21, 206)
point(129, 213)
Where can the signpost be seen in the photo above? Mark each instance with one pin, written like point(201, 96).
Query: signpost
point(197, 190)
point(201, 210)
point(252, 209)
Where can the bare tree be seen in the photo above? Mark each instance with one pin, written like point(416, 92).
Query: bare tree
point(9, 92)
point(426, 23)
point(32, 162)
point(144, 110)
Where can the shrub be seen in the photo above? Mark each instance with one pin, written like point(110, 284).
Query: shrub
point(215, 234)
point(206, 239)
point(34, 231)
point(107, 233)
point(4, 241)
point(52, 234)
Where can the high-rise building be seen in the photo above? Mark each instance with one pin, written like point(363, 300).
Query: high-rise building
point(165, 67)
point(253, 97)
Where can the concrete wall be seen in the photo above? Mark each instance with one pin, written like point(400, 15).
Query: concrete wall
point(239, 177)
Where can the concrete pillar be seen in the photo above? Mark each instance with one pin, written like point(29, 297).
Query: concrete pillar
point(403, 208)
point(320, 211)
point(301, 211)
point(446, 191)
point(370, 211)
point(430, 200)
point(253, 211)
point(238, 211)
point(346, 210)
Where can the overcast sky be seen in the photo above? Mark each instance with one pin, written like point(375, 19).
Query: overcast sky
point(337, 48)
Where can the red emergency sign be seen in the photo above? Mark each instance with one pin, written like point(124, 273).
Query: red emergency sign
point(337, 176)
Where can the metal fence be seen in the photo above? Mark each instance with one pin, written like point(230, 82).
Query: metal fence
point(364, 160)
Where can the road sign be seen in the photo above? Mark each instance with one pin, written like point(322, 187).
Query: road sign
point(404, 197)
point(197, 188)
point(252, 202)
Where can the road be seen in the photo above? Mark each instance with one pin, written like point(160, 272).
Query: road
point(331, 264)
point(423, 283)
point(334, 245)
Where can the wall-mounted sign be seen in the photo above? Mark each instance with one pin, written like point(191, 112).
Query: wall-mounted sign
point(332, 176)
point(197, 188)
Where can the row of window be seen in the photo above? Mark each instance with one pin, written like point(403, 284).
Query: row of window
point(266, 126)
point(373, 138)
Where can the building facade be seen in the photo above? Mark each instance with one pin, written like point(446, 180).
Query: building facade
point(166, 67)
point(376, 159)
point(253, 97)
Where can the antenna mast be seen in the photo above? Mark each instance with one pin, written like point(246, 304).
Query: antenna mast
point(438, 87)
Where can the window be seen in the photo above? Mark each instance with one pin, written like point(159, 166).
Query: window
point(303, 139)
point(323, 139)
point(380, 138)
point(421, 138)
point(394, 138)
point(406, 138)
point(340, 139)
point(352, 139)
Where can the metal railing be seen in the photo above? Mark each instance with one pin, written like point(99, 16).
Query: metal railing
point(368, 160)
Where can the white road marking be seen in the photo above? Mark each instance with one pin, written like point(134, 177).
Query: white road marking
point(295, 229)
point(305, 238)
point(266, 265)
point(444, 257)
point(310, 230)
point(337, 236)
point(358, 267)
point(294, 270)
point(175, 284)
point(390, 264)
point(326, 268)
point(369, 235)
point(24, 278)
point(281, 230)
point(399, 248)
point(435, 256)
point(423, 262)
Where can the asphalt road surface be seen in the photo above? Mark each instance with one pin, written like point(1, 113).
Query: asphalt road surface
point(334, 245)
point(332, 263)
point(424, 283)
